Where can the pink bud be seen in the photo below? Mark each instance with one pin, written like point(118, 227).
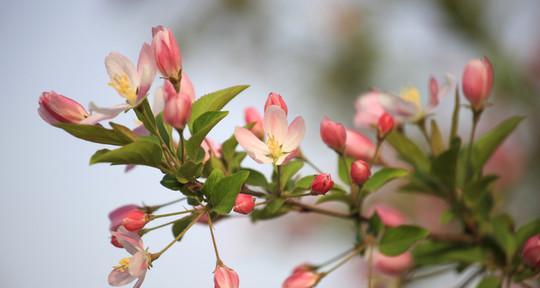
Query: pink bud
point(360, 171)
point(225, 277)
point(531, 251)
point(276, 99)
point(252, 116)
point(177, 106)
point(358, 146)
point(433, 92)
point(392, 265)
point(303, 276)
point(321, 184)
point(477, 81)
point(115, 243)
point(55, 108)
point(385, 124)
point(389, 216)
point(166, 52)
point(244, 203)
point(333, 134)
point(117, 215)
point(135, 220)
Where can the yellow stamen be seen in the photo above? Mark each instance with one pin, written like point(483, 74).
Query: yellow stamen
point(274, 147)
point(122, 84)
point(411, 95)
point(123, 264)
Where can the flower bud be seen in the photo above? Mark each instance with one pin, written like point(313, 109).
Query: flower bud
point(177, 107)
point(135, 220)
point(360, 172)
point(321, 184)
point(244, 203)
point(117, 215)
point(166, 52)
point(531, 251)
point(359, 146)
point(115, 242)
point(55, 108)
point(385, 124)
point(303, 276)
point(276, 99)
point(433, 88)
point(392, 265)
point(477, 81)
point(252, 116)
point(225, 277)
point(333, 134)
point(389, 216)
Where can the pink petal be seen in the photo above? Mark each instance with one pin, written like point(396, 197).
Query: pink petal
point(140, 281)
point(120, 278)
point(146, 70)
point(119, 213)
point(275, 123)
point(99, 114)
point(447, 87)
point(138, 264)
point(186, 86)
point(253, 145)
point(398, 107)
point(295, 134)
point(159, 101)
point(132, 242)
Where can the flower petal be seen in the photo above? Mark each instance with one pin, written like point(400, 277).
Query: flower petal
point(120, 278)
point(146, 70)
point(275, 123)
point(447, 86)
point(255, 148)
point(132, 242)
point(186, 86)
point(99, 114)
point(138, 264)
point(295, 134)
point(118, 64)
point(140, 281)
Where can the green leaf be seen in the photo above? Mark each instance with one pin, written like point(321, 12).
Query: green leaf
point(490, 282)
point(488, 143)
point(223, 196)
point(437, 142)
point(201, 128)
point(97, 133)
point(344, 168)
point(526, 231)
point(289, 170)
point(213, 102)
point(273, 209)
point(256, 178)
point(435, 253)
point(337, 196)
point(408, 150)
point(182, 224)
point(211, 183)
point(445, 165)
point(304, 183)
point(189, 170)
point(146, 116)
point(144, 151)
point(503, 233)
point(382, 177)
point(455, 118)
point(171, 183)
point(399, 239)
point(123, 132)
point(165, 130)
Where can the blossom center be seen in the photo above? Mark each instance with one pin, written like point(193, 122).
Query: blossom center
point(123, 264)
point(122, 84)
point(274, 147)
point(411, 95)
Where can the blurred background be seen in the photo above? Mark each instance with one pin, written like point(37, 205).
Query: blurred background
point(320, 55)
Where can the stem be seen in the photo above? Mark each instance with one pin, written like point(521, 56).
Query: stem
point(146, 230)
point(152, 217)
point(377, 151)
point(181, 144)
point(345, 260)
point(312, 165)
point(469, 279)
point(370, 267)
point(337, 257)
point(151, 209)
point(210, 225)
point(422, 127)
point(158, 254)
point(278, 188)
point(476, 119)
point(308, 208)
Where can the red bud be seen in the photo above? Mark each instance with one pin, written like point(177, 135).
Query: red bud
point(360, 171)
point(321, 184)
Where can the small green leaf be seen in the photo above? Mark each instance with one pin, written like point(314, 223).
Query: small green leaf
point(289, 170)
point(223, 196)
point(201, 128)
point(214, 101)
point(337, 196)
point(211, 183)
point(273, 209)
point(408, 150)
point(445, 165)
point(455, 117)
point(488, 143)
point(189, 170)
point(435, 253)
point(344, 168)
point(304, 183)
point(171, 183)
point(256, 178)
point(165, 130)
point(146, 116)
point(144, 151)
point(182, 224)
point(526, 231)
point(97, 133)
point(503, 232)
point(437, 142)
point(399, 239)
point(490, 282)
point(383, 176)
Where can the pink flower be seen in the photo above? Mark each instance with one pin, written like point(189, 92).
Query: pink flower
point(385, 124)
point(186, 86)
point(303, 276)
point(117, 215)
point(276, 99)
point(130, 268)
point(244, 203)
point(166, 52)
point(359, 146)
point(177, 106)
point(477, 81)
point(368, 109)
point(531, 251)
point(135, 220)
point(281, 140)
point(333, 134)
point(211, 149)
point(225, 277)
point(252, 116)
point(389, 216)
point(55, 108)
point(392, 265)
point(360, 172)
point(321, 184)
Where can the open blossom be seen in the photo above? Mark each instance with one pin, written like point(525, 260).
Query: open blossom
point(392, 265)
point(225, 277)
point(358, 146)
point(276, 99)
point(130, 268)
point(177, 106)
point(333, 134)
point(531, 251)
point(166, 52)
point(281, 140)
point(55, 108)
point(117, 217)
point(252, 116)
point(132, 83)
point(244, 203)
point(303, 276)
point(477, 81)
point(368, 109)
point(321, 184)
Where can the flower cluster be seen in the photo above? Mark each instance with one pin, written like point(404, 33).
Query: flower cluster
point(214, 182)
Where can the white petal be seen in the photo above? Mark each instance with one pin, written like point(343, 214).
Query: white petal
point(295, 134)
point(120, 278)
point(146, 70)
point(99, 114)
point(255, 148)
point(131, 241)
point(138, 264)
point(159, 100)
point(118, 64)
point(275, 123)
